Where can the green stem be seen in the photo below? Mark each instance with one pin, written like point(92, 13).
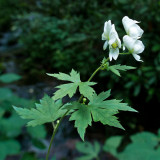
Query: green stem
point(57, 126)
point(99, 68)
point(94, 73)
point(125, 53)
point(53, 135)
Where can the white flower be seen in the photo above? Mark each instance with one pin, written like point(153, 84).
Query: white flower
point(111, 38)
point(134, 46)
point(131, 28)
point(114, 44)
point(105, 35)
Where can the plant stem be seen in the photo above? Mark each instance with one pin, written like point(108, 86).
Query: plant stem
point(125, 53)
point(94, 73)
point(99, 68)
point(53, 135)
point(57, 126)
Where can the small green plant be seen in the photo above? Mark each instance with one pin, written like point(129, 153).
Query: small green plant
point(90, 151)
point(144, 145)
point(12, 125)
point(91, 107)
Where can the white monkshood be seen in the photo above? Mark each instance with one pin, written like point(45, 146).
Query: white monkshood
point(134, 46)
point(105, 35)
point(132, 29)
point(94, 107)
point(114, 44)
point(112, 39)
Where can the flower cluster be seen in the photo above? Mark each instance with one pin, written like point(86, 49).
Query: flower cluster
point(130, 41)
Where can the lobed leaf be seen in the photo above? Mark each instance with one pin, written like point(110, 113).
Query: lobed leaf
point(98, 109)
point(111, 145)
point(90, 151)
point(47, 111)
point(82, 118)
point(116, 68)
point(73, 77)
point(65, 89)
point(71, 88)
point(8, 147)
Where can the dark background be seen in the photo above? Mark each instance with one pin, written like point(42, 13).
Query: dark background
point(49, 36)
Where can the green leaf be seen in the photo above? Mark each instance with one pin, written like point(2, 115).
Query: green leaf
point(12, 126)
point(29, 156)
point(116, 105)
point(5, 94)
point(137, 152)
point(53, 158)
point(105, 116)
point(65, 89)
point(143, 146)
point(145, 138)
point(1, 112)
point(158, 133)
point(47, 111)
point(116, 68)
point(85, 89)
point(73, 77)
point(97, 109)
point(38, 143)
point(82, 118)
point(71, 88)
point(90, 151)
point(9, 77)
point(112, 144)
point(37, 132)
point(8, 147)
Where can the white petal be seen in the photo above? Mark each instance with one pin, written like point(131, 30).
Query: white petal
point(131, 28)
point(107, 26)
point(105, 45)
point(113, 53)
point(112, 35)
point(113, 28)
point(135, 31)
point(138, 47)
point(119, 42)
point(112, 38)
point(110, 57)
point(107, 29)
point(124, 47)
point(116, 53)
point(129, 42)
point(137, 57)
point(103, 37)
point(127, 22)
point(136, 21)
point(113, 31)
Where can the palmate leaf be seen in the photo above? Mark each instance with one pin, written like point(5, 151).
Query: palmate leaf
point(70, 88)
point(99, 109)
point(116, 68)
point(111, 145)
point(90, 151)
point(143, 146)
point(9, 147)
point(47, 111)
point(82, 117)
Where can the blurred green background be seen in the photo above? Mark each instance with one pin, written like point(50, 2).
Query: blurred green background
point(40, 36)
